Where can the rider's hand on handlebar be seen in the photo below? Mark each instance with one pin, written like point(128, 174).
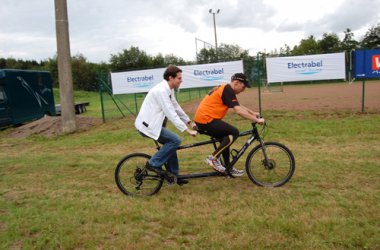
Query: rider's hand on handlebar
point(192, 125)
point(260, 120)
point(191, 132)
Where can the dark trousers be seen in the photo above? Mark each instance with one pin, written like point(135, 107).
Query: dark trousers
point(221, 129)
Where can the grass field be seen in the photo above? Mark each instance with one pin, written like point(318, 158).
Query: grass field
point(59, 193)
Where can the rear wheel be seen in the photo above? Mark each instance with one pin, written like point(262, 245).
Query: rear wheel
point(273, 171)
point(133, 179)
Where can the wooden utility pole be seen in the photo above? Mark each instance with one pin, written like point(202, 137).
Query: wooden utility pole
point(64, 67)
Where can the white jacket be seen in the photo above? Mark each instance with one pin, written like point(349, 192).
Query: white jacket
point(160, 102)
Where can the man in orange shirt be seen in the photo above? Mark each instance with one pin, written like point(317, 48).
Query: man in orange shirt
point(212, 110)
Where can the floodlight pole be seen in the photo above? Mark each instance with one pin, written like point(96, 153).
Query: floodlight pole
point(216, 41)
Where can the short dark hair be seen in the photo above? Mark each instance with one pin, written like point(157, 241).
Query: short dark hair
point(172, 71)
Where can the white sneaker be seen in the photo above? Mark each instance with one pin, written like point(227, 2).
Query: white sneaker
point(215, 163)
point(237, 172)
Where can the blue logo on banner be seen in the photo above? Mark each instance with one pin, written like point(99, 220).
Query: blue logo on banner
point(367, 63)
point(212, 78)
point(210, 75)
point(142, 84)
point(306, 68)
point(141, 81)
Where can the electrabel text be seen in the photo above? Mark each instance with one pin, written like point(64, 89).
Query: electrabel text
point(209, 72)
point(140, 78)
point(311, 64)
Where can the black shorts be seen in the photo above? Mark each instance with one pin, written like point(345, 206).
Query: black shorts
point(219, 129)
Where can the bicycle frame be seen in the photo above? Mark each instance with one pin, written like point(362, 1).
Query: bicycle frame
point(234, 153)
point(269, 164)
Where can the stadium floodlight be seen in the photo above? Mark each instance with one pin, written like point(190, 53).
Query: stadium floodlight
point(216, 41)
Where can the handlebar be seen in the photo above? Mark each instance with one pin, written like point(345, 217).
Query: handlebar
point(259, 117)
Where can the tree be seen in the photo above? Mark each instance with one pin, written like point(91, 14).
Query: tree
point(172, 59)
point(286, 51)
point(52, 66)
point(132, 58)
point(307, 47)
point(226, 52)
point(3, 63)
point(84, 74)
point(329, 43)
point(11, 63)
point(207, 56)
point(348, 43)
point(371, 39)
point(159, 60)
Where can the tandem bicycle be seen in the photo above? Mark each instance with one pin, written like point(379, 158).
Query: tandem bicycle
point(268, 164)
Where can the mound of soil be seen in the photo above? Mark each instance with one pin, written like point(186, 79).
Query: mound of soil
point(51, 126)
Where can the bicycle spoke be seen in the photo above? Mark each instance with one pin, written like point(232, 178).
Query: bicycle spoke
point(133, 179)
point(273, 171)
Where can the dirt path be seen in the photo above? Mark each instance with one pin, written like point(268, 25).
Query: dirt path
point(321, 97)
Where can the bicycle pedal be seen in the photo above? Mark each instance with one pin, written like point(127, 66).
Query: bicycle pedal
point(171, 182)
point(171, 179)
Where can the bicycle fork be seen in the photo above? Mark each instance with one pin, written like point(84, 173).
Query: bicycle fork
point(266, 162)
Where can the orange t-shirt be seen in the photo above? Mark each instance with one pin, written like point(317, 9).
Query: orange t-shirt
point(216, 104)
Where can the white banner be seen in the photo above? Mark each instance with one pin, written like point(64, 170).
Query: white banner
point(306, 68)
point(193, 76)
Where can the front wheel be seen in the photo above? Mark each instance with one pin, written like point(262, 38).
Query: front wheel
point(133, 179)
point(275, 169)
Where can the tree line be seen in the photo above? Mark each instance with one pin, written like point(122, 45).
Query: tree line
point(85, 73)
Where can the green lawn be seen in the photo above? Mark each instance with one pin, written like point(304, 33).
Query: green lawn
point(60, 192)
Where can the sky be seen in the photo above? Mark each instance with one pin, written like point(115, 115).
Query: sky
point(99, 28)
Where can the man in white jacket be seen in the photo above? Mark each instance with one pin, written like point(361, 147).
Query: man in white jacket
point(159, 103)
